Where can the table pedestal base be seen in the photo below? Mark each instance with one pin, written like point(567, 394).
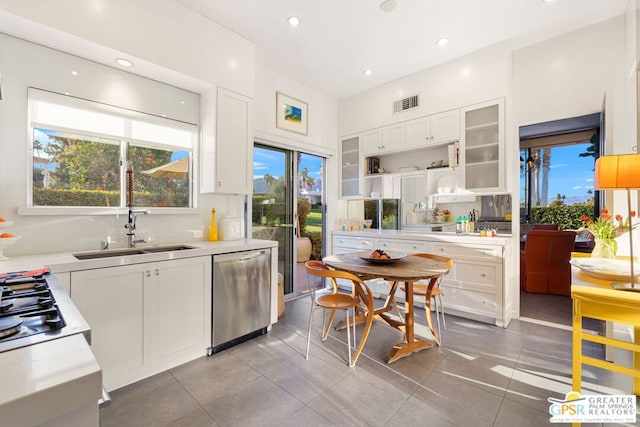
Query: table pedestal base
point(405, 349)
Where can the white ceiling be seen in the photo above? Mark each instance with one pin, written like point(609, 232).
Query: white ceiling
point(338, 39)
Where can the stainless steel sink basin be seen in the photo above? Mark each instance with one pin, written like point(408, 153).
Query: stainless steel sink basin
point(167, 248)
point(130, 251)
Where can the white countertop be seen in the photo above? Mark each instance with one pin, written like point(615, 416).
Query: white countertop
point(65, 261)
point(47, 381)
point(443, 236)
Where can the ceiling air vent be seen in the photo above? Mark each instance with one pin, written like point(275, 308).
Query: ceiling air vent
point(405, 104)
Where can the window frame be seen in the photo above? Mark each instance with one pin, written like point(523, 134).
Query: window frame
point(128, 116)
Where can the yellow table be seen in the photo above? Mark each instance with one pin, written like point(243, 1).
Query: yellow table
point(594, 298)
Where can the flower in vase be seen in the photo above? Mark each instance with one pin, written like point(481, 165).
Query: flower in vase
point(606, 228)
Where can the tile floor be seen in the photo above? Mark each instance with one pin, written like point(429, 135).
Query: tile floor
point(482, 376)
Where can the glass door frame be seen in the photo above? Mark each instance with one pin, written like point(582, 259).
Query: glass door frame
point(287, 262)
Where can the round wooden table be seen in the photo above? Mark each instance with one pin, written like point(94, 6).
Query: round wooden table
point(408, 270)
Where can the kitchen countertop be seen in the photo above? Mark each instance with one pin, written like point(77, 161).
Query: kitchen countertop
point(50, 381)
point(65, 261)
point(443, 236)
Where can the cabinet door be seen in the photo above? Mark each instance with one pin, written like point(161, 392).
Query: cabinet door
point(417, 133)
point(372, 142)
point(350, 167)
point(234, 143)
point(182, 310)
point(392, 137)
point(483, 147)
point(445, 127)
point(112, 302)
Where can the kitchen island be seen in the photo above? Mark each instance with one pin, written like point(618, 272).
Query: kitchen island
point(476, 287)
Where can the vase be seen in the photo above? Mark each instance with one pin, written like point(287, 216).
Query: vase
point(605, 248)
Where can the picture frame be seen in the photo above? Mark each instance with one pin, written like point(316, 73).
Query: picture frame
point(291, 114)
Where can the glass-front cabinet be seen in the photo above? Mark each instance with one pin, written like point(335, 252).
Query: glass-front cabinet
point(350, 168)
point(484, 146)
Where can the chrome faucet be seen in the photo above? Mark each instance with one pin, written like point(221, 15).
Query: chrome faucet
point(131, 227)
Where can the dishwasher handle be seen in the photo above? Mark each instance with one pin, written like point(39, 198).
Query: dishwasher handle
point(242, 257)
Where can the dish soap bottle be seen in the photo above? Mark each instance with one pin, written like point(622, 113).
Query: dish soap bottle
point(213, 228)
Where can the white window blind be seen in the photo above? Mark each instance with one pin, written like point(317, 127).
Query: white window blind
point(92, 118)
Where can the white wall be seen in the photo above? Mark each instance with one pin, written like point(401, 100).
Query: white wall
point(478, 77)
point(159, 32)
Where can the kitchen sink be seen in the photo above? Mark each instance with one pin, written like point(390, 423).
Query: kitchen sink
point(130, 251)
point(168, 248)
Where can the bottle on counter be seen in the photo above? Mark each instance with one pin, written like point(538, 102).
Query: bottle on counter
point(213, 227)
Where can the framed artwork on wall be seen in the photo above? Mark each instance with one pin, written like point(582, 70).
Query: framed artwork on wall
point(291, 114)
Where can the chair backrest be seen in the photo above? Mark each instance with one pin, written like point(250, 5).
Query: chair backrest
point(547, 268)
point(448, 262)
point(545, 227)
point(359, 287)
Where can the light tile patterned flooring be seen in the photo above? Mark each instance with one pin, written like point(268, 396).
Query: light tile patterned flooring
point(482, 376)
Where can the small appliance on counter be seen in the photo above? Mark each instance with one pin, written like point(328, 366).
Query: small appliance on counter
point(231, 229)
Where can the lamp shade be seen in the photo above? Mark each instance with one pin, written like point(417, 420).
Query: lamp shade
point(617, 171)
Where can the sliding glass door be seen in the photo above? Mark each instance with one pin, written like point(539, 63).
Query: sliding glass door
point(288, 206)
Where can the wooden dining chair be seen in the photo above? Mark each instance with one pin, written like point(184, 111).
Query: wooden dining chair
point(361, 298)
point(421, 288)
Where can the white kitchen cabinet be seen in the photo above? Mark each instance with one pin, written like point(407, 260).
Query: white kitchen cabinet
point(431, 130)
point(406, 246)
point(483, 147)
point(145, 318)
point(474, 285)
point(392, 137)
point(350, 170)
point(234, 143)
point(445, 127)
point(372, 142)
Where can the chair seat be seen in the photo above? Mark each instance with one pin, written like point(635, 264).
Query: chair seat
point(422, 290)
point(337, 301)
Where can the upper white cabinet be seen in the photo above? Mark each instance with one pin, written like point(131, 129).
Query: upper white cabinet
point(392, 136)
point(445, 127)
point(483, 146)
point(234, 143)
point(372, 142)
point(350, 167)
point(417, 133)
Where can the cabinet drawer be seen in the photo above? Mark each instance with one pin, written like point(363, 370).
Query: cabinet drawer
point(356, 243)
point(408, 246)
point(492, 253)
point(469, 301)
point(483, 274)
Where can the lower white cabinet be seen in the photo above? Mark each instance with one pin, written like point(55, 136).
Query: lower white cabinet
point(474, 285)
point(145, 318)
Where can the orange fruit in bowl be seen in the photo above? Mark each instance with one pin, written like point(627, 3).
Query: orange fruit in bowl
point(2, 219)
point(6, 235)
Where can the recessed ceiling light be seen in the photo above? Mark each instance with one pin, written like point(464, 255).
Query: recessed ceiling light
point(388, 5)
point(74, 73)
point(124, 62)
point(368, 72)
point(294, 21)
point(181, 102)
point(443, 42)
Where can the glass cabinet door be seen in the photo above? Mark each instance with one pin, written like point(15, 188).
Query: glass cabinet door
point(483, 146)
point(350, 167)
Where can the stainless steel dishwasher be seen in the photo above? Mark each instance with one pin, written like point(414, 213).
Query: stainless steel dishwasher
point(241, 297)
